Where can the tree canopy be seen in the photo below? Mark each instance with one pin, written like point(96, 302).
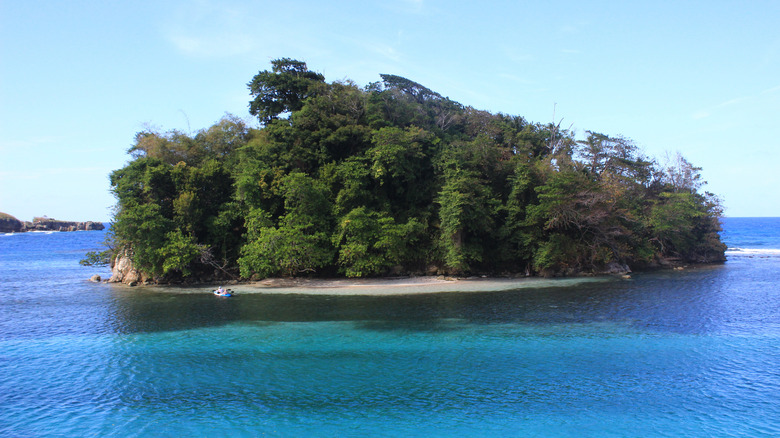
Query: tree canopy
point(395, 178)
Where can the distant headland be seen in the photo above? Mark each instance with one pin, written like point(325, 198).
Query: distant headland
point(10, 224)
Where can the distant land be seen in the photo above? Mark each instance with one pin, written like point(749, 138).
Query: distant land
point(10, 224)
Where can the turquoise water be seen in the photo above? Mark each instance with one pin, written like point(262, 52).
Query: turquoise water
point(691, 353)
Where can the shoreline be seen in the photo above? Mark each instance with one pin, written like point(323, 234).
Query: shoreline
point(387, 286)
point(391, 286)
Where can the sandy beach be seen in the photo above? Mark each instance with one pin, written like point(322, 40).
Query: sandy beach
point(401, 286)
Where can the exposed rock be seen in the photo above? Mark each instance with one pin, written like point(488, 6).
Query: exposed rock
point(10, 224)
point(123, 271)
point(615, 268)
point(49, 224)
point(95, 278)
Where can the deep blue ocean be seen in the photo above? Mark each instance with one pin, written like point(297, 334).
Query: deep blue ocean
point(670, 353)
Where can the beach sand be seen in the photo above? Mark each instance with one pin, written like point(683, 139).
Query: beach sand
point(401, 286)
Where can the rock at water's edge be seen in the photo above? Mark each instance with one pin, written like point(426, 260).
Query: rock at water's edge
point(48, 224)
point(615, 268)
point(10, 224)
point(123, 271)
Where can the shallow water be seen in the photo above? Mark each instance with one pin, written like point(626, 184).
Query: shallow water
point(691, 353)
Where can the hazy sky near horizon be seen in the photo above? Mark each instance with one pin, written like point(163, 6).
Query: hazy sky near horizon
point(78, 79)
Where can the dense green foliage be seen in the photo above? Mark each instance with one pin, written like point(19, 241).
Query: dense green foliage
point(393, 177)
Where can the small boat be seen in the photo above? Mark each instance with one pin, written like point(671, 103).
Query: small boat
point(223, 293)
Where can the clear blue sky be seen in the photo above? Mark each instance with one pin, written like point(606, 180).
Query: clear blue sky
point(78, 79)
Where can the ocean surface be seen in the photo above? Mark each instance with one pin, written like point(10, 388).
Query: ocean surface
point(673, 353)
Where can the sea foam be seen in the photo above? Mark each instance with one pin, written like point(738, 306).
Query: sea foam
point(753, 252)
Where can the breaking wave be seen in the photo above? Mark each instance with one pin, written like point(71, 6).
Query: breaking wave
point(753, 252)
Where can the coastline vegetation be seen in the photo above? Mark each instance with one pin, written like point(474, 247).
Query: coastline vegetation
point(393, 178)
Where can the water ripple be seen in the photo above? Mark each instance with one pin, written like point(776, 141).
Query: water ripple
point(673, 353)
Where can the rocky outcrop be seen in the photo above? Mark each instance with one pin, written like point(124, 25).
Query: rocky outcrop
point(123, 271)
point(615, 268)
point(49, 224)
point(10, 224)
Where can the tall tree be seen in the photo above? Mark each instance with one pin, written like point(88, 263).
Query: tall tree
point(283, 89)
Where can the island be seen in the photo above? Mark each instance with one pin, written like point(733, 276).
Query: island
point(10, 224)
point(336, 180)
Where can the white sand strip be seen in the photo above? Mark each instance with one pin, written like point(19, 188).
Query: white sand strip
point(401, 286)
